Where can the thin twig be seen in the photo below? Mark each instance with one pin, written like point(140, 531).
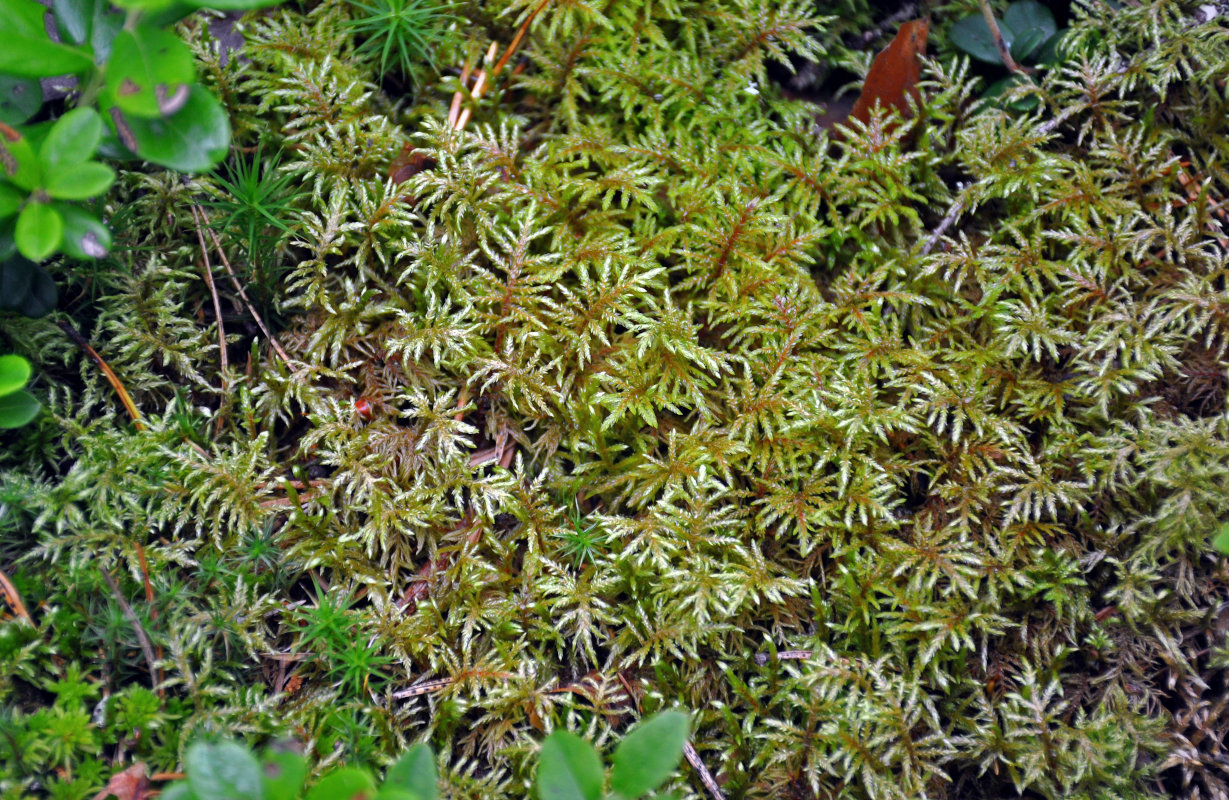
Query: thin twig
point(953, 212)
point(147, 646)
point(1004, 53)
point(239, 287)
point(75, 336)
point(706, 777)
point(217, 310)
point(423, 688)
point(455, 108)
point(484, 78)
point(13, 598)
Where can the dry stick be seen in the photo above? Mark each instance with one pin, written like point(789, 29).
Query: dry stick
point(706, 777)
point(13, 598)
point(239, 288)
point(217, 309)
point(147, 646)
point(479, 88)
point(484, 79)
point(79, 340)
point(952, 213)
point(997, 34)
point(455, 108)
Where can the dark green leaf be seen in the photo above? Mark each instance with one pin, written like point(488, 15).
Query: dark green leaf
point(28, 51)
point(79, 182)
point(234, 5)
point(71, 141)
point(649, 755)
point(569, 769)
point(1051, 53)
point(92, 22)
point(177, 791)
point(85, 237)
point(20, 99)
point(192, 140)
point(972, 35)
point(414, 772)
point(17, 409)
point(149, 73)
point(283, 775)
point(222, 771)
point(350, 783)
point(39, 230)
point(14, 373)
point(1031, 24)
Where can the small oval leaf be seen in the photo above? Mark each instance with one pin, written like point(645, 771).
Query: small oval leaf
point(79, 182)
point(192, 140)
point(222, 771)
point(14, 373)
point(39, 230)
point(569, 769)
point(414, 773)
point(72, 140)
point(650, 754)
point(17, 409)
point(350, 783)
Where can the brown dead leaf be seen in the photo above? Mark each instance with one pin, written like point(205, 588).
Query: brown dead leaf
point(895, 72)
point(131, 784)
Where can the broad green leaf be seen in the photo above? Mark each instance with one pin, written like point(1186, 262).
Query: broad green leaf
point(1031, 24)
point(89, 22)
point(1221, 541)
point(85, 237)
point(39, 230)
point(79, 182)
point(8, 243)
point(972, 35)
point(20, 99)
point(192, 140)
point(283, 775)
point(350, 783)
point(17, 409)
point(414, 772)
point(14, 373)
point(144, 5)
point(149, 73)
point(222, 771)
point(71, 141)
point(177, 791)
point(18, 163)
point(569, 769)
point(10, 200)
point(649, 755)
point(27, 51)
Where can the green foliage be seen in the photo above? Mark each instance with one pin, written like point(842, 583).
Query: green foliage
point(17, 406)
point(1030, 34)
point(668, 399)
point(405, 34)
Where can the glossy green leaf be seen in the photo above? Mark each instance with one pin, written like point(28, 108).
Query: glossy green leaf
point(569, 769)
point(282, 775)
point(39, 230)
point(85, 237)
point(89, 22)
point(11, 199)
point(192, 140)
point(350, 783)
point(1031, 25)
point(1221, 540)
point(14, 373)
point(222, 771)
point(27, 51)
point(79, 182)
point(414, 773)
point(71, 141)
point(177, 791)
point(149, 73)
point(18, 163)
point(144, 5)
point(20, 99)
point(1052, 53)
point(649, 755)
point(972, 35)
point(17, 409)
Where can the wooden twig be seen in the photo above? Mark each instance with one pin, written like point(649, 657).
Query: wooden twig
point(423, 688)
point(207, 269)
point(455, 109)
point(147, 646)
point(239, 287)
point(75, 336)
point(1004, 52)
point(13, 598)
point(948, 220)
point(706, 777)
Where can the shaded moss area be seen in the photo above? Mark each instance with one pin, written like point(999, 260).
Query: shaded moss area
point(648, 393)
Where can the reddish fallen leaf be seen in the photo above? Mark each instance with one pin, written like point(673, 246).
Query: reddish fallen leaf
point(407, 164)
point(895, 72)
point(131, 784)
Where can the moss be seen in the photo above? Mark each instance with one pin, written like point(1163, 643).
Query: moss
point(894, 515)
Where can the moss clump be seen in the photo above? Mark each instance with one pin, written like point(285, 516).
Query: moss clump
point(894, 515)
